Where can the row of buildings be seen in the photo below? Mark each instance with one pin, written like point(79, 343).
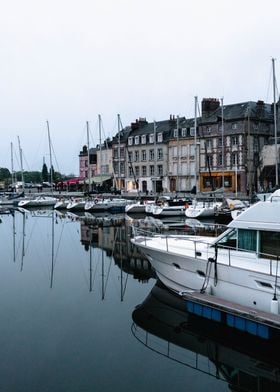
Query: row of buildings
point(226, 146)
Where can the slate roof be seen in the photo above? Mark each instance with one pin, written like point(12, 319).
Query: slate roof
point(255, 110)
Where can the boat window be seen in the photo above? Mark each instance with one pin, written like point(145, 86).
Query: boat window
point(247, 239)
point(269, 243)
point(229, 239)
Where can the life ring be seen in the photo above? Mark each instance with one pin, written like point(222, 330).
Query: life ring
point(95, 201)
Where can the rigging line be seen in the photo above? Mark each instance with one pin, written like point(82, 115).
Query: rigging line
point(269, 85)
point(108, 274)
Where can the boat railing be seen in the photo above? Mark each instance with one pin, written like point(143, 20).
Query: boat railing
point(269, 263)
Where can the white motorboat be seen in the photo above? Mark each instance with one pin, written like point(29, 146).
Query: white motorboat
point(167, 210)
point(77, 204)
point(139, 207)
point(39, 201)
point(62, 204)
point(202, 209)
point(97, 205)
point(240, 264)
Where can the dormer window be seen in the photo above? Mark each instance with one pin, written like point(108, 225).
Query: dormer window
point(159, 137)
point(192, 131)
point(175, 133)
point(234, 126)
point(184, 132)
point(151, 138)
point(130, 141)
point(136, 140)
point(143, 139)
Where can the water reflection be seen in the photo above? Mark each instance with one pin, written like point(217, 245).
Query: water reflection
point(104, 239)
point(163, 325)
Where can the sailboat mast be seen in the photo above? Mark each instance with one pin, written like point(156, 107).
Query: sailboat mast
point(195, 143)
point(88, 172)
point(119, 152)
point(223, 148)
point(178, 187)
point(100, 146)
point(21, 165)
point(50, 151)
point(12, 164)
point(275, 123)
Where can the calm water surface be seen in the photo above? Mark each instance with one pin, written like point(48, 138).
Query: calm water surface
point(81, 311)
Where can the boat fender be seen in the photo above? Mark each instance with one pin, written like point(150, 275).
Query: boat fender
point(186, 205)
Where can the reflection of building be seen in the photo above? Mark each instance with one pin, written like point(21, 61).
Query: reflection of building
point(115, 241)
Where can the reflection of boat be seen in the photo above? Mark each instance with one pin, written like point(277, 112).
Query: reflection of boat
point(202, 209)
point(246, 362)
point(240, 265)
point(39, 201)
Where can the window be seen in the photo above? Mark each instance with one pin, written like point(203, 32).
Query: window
point(208, 144)
point(209, 161)
point(184, 132)
point(247, 239)
point(152, 170)
point(130, 171)
point(151, 138)
point(130, 156)
point(184, 151)
point(208, 129)
point(159, 137)
point(270, 243)
point(234, 140)
point(86, 163)
point(234, 126)
point(192, 131)
point(175, 133)
point(137, 171)
point(143, 139)
point(144, 170)
point(115, 153)
point(159, 154)
point(143, 155)
point(151, 155)
point(130, 141)
point(174, 151)
point(122, 167)
point(160, 170)
point(122, 152)
point(220, 160)
point(136, 140)
point(234, 159)
point(136, 156)
point(220, 142)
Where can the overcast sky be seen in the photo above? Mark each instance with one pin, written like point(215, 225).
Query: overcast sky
point(68, 61)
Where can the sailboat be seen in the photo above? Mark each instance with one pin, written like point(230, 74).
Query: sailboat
point(41, 200)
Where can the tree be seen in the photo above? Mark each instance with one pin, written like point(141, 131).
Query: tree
point(4, 174)
point(45, 173)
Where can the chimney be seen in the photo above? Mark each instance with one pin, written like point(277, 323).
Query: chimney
point(209, 105)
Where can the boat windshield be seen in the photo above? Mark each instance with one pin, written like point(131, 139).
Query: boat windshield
point(229, 239)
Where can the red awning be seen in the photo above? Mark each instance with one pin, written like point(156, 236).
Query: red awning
point(72, 181)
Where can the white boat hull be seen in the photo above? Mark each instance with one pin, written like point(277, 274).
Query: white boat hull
point(185, 272)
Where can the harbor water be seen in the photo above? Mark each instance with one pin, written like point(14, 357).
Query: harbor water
point(82, 310)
